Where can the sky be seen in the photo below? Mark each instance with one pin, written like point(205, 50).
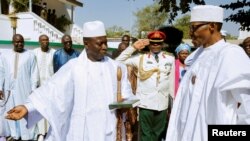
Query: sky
point(120, 13)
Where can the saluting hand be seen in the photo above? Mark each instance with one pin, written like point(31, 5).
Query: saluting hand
point(140, 44)
point(17, 113)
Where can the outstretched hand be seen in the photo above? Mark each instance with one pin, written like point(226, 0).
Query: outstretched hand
point(17, 113)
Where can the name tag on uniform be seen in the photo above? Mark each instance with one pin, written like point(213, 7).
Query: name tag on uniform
point(149, 62)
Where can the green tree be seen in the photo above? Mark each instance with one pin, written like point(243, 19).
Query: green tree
point(116, 31)
point(183, 25)
point(149, 18)
point(231, 37)
point(243, 13)
point(62, 22)
point(21, 5)
point(241, 10)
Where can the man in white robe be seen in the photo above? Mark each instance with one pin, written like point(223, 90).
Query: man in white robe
point(20, 79)
point(4, 132)
point(215, 83)
point(155, 84)
point(44, 57)
point(75, 100)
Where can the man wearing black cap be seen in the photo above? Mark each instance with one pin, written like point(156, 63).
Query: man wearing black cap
point(154, 83)
point(75, 100)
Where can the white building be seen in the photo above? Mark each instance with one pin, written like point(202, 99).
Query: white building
point(31, 25)
point(243, 34)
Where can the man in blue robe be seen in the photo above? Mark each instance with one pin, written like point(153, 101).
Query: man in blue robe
point(62, 56)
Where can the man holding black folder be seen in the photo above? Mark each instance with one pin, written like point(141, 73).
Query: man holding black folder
point(76, 99)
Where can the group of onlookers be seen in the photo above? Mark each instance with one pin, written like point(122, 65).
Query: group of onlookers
point(147, 65)
point(21, 72)
point(48, 15)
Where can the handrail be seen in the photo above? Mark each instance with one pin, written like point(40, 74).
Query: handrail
point(76, 34)
point(43, 27)
point(43, 21)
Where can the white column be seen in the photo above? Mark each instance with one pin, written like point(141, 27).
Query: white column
point(11, 8)
point(72, 14)
point(30, 5)
point(0, 7)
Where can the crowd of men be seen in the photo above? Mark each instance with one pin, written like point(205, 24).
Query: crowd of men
point(22, 71)
point(64, 95)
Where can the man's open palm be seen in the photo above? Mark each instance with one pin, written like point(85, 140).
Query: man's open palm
point(17, 113)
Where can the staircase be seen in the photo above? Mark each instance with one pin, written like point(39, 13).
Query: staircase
point(40, 26)
point(76, 33)
point(31, 26)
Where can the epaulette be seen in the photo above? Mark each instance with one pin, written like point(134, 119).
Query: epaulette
point(168, 53)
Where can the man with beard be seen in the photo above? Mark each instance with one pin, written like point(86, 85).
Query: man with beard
point(62, 56)
point(75, 100)
point(215, 83)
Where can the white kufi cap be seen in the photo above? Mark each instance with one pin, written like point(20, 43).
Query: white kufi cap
point(94, 29)
point(207, 13)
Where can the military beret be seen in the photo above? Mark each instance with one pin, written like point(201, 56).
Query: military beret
point(156, 36)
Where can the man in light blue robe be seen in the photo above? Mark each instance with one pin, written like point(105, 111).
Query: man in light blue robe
point(75, 101)
point(20, 79)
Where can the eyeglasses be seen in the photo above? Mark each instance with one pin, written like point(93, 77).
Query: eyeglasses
point(194, 28)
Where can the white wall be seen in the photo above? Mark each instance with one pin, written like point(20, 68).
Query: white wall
point(30, 26)
point(0, 7)
point(6, 32)
point(25, 27)
point(243, 34)
point(113, 44)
